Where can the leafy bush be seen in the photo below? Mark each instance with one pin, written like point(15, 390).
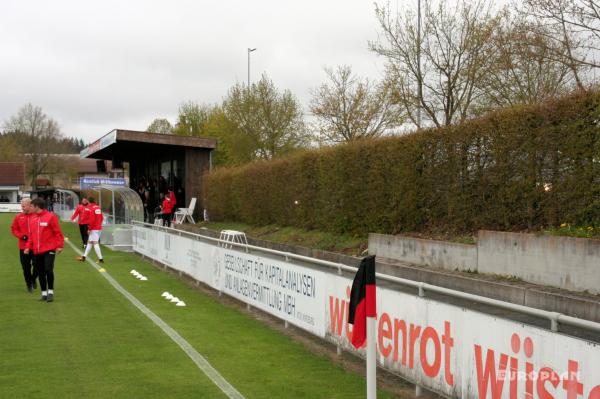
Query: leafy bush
point(518, 168)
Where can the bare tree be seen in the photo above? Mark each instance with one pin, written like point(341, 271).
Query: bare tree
point(524, 69)
point(39, 138)
point(573, 32)
point(348, 108)
point(436, 70)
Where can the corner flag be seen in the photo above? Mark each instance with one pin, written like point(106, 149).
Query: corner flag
point(362, 300)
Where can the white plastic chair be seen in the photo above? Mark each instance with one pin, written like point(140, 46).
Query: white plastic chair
point(186, 213)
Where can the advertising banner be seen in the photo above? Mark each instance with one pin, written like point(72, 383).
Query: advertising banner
point(455, 351)
point(10, 207)
point(85, 183)
point(288, 291)
point(466, 354)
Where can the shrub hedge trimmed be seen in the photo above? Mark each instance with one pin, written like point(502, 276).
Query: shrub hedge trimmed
point(517, 168)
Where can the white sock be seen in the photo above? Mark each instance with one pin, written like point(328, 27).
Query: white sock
point(44, 293)
point(51, 292)
point(97, 249)
point(88, 248)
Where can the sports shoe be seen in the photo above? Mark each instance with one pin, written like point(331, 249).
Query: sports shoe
point(50, 298)
point(43, 298)
point(80, 258)
point(100, 260)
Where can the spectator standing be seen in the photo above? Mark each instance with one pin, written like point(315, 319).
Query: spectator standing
point(167, 211)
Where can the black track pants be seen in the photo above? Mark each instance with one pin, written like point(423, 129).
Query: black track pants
point(29, 270)
point(44, 263)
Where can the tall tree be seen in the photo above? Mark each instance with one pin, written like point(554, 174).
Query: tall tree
point(573, 28)
point(435, 70)
point(160, 125)
point(10, 149)
point(40, 138)
point(348, 108)
point(523, 69)
point(270, 119)
point(233, 146)
point(192, 119)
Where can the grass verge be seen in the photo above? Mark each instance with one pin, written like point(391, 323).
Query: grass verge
point(347, 244)
point(92, 343)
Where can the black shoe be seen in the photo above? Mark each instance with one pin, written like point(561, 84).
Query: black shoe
point(100, 260)
point(50, 298)
point(43, 298)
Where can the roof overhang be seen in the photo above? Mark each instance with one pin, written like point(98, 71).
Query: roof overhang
point(128, 144)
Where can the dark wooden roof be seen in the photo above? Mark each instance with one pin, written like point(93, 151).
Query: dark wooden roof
point(12, 173)
point(125, 144)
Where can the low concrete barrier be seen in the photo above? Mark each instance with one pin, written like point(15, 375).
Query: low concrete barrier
point(445, 255)
point(563, 262)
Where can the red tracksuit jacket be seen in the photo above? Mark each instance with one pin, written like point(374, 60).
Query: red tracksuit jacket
point(20, 228)
point(167, 206)
point(96, 217)
point(45, 233)
point(84, 213)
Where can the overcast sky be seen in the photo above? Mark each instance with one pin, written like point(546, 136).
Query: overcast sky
point(95, 66)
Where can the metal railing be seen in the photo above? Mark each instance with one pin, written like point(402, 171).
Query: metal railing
point(555, 318)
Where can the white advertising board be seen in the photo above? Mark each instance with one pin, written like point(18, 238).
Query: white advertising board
point(290, 292)
point(10, 207)
point(451, 350)
point(466, 354)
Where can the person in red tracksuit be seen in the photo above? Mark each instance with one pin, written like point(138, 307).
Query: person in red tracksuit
point(172, 197)
point(45, 241)
point(95, 230)
point(167, 211)
point(84, 214)
point(20, 229)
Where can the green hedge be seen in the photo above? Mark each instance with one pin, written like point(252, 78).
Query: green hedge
point(517, 168)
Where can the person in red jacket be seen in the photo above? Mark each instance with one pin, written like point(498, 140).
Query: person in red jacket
point(172, 197)
point(45, 241)
point(167, 210)
point(84, 213)
point(95, 230)
point(20, 229)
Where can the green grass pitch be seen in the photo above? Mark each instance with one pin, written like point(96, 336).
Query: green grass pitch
point(93, 343)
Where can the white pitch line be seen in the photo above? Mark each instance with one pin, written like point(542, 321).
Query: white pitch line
point(196, 357)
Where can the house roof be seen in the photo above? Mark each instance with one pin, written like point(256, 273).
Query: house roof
point(84, 165)
point(12, 173)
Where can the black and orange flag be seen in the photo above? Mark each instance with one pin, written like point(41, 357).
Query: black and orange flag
point(362, 300)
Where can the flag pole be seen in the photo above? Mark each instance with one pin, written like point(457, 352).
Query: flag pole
point(371, 358)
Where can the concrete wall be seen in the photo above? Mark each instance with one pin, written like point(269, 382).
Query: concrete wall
point(564, 262)
point(445, 255)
